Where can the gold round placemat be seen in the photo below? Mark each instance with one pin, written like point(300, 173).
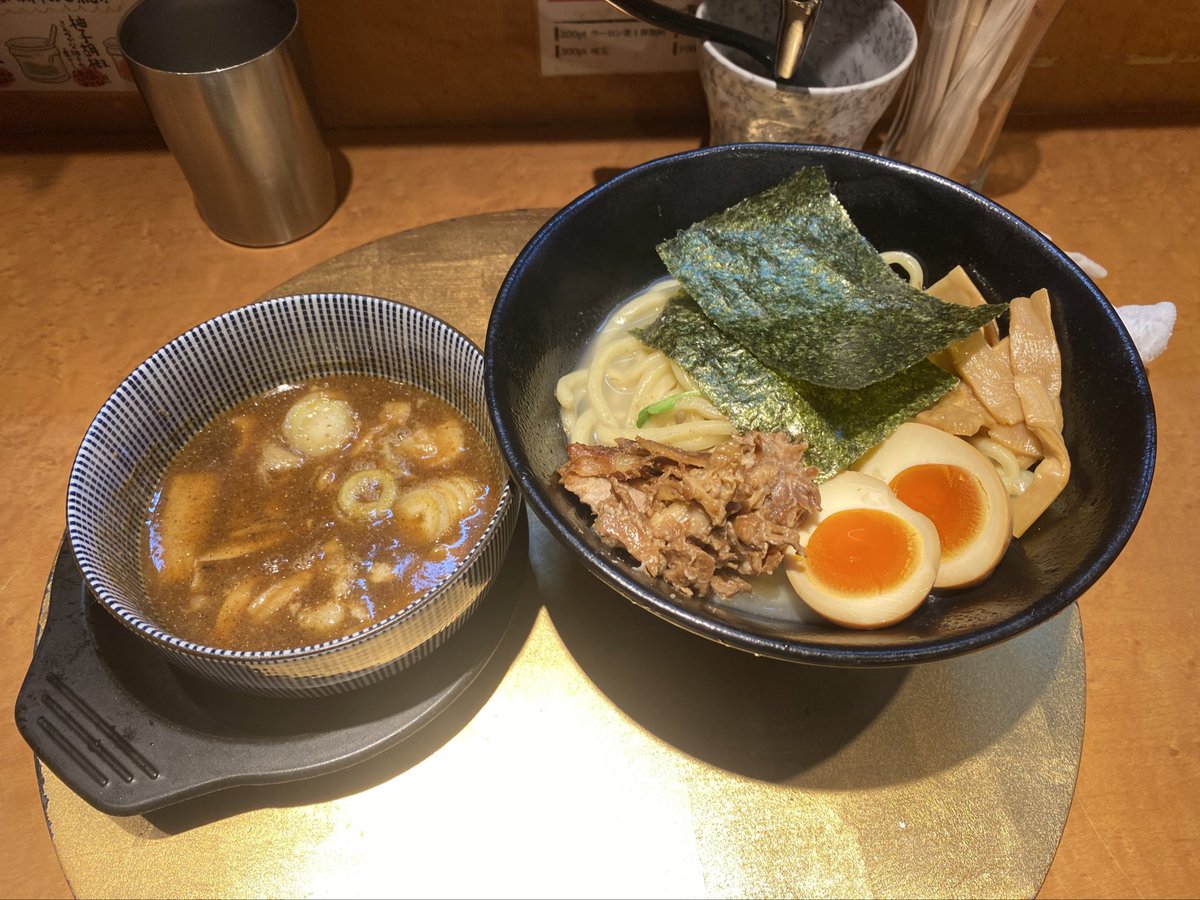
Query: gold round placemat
point(607, 753)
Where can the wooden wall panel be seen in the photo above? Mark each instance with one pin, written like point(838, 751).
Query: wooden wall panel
point(405, 63)
point(1113, 56)
point(467, 62)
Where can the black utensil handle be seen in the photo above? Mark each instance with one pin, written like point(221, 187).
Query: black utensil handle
point(691, 26)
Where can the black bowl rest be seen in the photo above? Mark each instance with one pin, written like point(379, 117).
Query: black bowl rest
point(130, 732)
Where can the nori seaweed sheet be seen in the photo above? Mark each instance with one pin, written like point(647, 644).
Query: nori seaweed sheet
point(839, 425)
point(787, 273)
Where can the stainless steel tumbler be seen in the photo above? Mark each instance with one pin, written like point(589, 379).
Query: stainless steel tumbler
point(220, 79)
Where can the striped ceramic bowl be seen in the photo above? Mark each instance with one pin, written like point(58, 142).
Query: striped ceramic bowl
point(211, 368)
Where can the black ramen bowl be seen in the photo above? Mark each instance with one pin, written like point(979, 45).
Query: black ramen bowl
point(600, 249)
point(237, 355)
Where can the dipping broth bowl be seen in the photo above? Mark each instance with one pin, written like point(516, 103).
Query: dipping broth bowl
point(600, 249)
point(213, 367)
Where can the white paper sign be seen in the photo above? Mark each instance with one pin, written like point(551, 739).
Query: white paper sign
point(589, 37)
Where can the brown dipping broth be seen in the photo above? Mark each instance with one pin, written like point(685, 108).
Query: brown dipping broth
point(249, 549)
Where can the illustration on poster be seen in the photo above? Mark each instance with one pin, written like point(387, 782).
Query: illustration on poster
point(62, 45)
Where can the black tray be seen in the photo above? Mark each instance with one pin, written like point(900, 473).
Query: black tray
point(130, 732)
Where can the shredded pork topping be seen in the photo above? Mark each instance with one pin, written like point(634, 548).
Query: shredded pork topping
point(704, 521)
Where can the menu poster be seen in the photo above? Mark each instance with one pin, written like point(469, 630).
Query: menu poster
point(589, 37)
point(62, 45)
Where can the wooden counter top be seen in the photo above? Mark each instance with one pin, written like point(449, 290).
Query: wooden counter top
point(105, 259)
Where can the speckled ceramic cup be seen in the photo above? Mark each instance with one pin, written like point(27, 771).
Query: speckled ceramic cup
point(859, 52)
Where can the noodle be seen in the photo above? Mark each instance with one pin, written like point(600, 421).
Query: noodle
point(909, 263)
point(600, 401)
point(621, 376)
point(1013, 474)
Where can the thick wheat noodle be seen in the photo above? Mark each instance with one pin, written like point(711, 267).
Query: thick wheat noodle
point(601, 401)
point(606, 352)
point(644, 380)
point(1014, 476)
point(646, 305)
point(699, 434)
point(584, 428)
point(909, 263)
point(570, 385)
point(655, 383)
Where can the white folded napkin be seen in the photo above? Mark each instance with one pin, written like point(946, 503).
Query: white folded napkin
point(1150, 325)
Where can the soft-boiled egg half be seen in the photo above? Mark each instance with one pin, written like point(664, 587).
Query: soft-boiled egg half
point(956, 487)
point(865, 560)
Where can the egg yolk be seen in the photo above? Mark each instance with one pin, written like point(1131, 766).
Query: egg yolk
point(862, 551)
point(951, 497)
